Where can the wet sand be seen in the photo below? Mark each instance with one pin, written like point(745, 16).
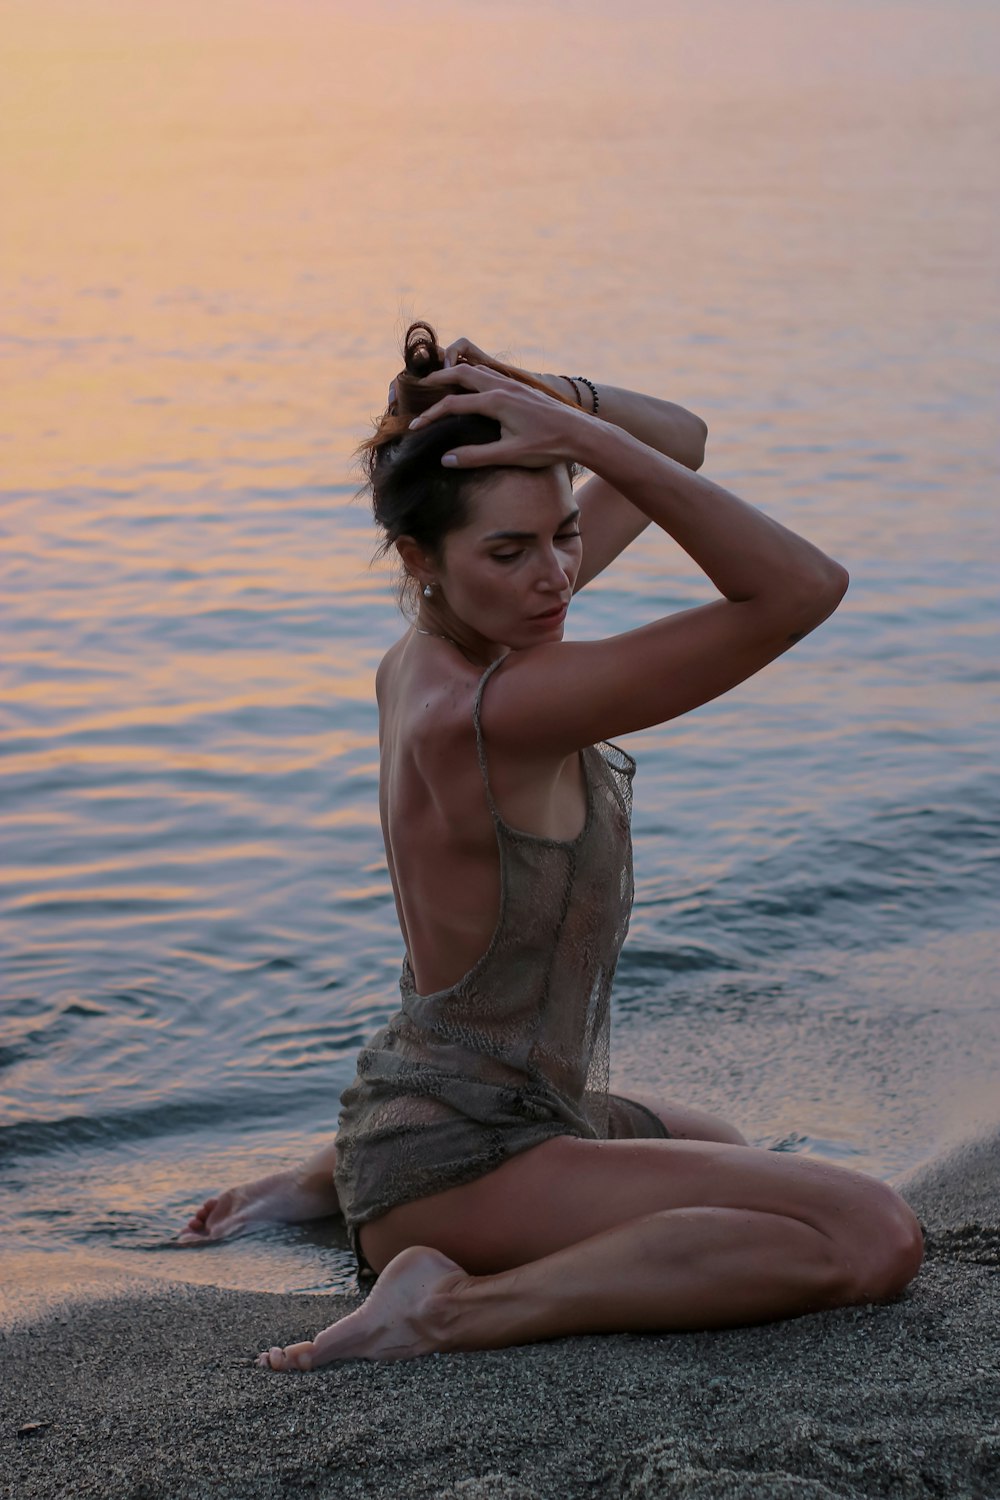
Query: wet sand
point(152, 1394)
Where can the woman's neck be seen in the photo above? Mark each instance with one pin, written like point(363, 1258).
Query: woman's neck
point(447, 627)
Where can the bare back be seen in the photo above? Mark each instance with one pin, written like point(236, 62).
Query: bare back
point(440, 840)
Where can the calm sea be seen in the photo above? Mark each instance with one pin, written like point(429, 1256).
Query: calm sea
point(217, 220)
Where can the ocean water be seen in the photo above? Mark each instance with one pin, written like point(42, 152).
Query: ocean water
point(217, 222)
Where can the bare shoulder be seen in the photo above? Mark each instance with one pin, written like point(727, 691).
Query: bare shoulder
point(426, 695)
point(430, 775)
point(386, 670)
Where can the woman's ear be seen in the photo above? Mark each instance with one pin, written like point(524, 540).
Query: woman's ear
point(415, 560)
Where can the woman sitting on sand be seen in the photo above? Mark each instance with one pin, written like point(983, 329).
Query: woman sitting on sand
point(487, 1177)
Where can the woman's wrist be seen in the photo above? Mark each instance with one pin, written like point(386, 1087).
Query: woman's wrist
point(606, 449)
point(580, 389)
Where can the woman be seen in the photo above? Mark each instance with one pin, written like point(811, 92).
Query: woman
point(488, 1179)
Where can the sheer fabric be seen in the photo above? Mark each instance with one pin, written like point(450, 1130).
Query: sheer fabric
point(517, 1051)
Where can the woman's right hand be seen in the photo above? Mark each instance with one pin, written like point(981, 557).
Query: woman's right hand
point(536, 430)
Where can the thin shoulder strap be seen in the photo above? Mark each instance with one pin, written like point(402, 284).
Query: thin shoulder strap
point(477, 720)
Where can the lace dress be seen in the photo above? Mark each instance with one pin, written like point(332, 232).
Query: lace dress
point(517, 1051)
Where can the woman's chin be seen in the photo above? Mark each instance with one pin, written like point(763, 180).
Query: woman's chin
point(544, 630)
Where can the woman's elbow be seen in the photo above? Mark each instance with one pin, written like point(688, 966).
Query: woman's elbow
point(696, 441)
point(817, 596)
point(839, 583)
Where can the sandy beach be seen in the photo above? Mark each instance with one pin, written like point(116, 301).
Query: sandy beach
point(152, 1394)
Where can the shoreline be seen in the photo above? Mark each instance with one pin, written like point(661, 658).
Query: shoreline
point(151, 1393)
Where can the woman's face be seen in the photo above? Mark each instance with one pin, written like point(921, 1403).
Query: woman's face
point(508, 574)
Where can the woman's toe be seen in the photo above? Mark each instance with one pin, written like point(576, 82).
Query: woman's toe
point(295, 1357)
point(273, 1358)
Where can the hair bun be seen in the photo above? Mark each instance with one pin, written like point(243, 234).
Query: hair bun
point(420, 350)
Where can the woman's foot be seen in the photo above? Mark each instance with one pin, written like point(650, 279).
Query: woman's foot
point(281, 1198)
point(404, 1316)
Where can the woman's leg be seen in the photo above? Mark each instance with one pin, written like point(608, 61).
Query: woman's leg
point(307, 1192)
point(581, 1236)
point(291, 1197)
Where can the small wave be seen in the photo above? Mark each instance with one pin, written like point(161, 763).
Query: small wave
point(682, 958)
point(75, 1132)
point(809, 1145)
point(893, 870)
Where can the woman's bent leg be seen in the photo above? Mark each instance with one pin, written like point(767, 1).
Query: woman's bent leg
point(567, 1190)
point(592, 1236)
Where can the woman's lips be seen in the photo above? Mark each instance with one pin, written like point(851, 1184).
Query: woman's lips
point(551, 616)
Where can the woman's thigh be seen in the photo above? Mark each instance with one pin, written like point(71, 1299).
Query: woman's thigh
point(568, 1189)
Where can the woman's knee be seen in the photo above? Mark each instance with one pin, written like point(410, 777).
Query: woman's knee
point(900, 1243)
point(722, 1130)
point(884, 1245)
point(687, 1124)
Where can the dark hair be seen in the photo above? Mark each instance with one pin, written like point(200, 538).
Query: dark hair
point(412, 493)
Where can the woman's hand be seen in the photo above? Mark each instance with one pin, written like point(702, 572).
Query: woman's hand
point(536, 431)
point(463, 352)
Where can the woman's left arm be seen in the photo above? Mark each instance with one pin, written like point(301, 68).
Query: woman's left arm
point(609, 522)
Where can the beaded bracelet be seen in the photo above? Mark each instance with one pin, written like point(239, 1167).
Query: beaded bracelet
point(576, 389)
point(592, 388)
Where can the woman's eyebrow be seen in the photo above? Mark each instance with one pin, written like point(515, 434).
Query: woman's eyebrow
point(529, 536)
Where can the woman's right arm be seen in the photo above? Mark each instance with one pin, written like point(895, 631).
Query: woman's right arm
point(748, 556)
point(775, 585)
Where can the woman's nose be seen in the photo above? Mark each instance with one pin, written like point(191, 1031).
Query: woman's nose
point(553, 574)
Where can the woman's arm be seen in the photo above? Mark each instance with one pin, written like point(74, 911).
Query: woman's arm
point(609, 522)
point(663, 425)
point(776, 586)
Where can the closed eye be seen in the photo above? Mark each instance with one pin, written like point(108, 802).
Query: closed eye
point(561, 536)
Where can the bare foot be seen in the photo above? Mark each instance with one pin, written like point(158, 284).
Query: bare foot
point(402, 1318)
point(281, 1198)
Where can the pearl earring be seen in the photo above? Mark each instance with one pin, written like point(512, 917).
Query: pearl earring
point(428, 590)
